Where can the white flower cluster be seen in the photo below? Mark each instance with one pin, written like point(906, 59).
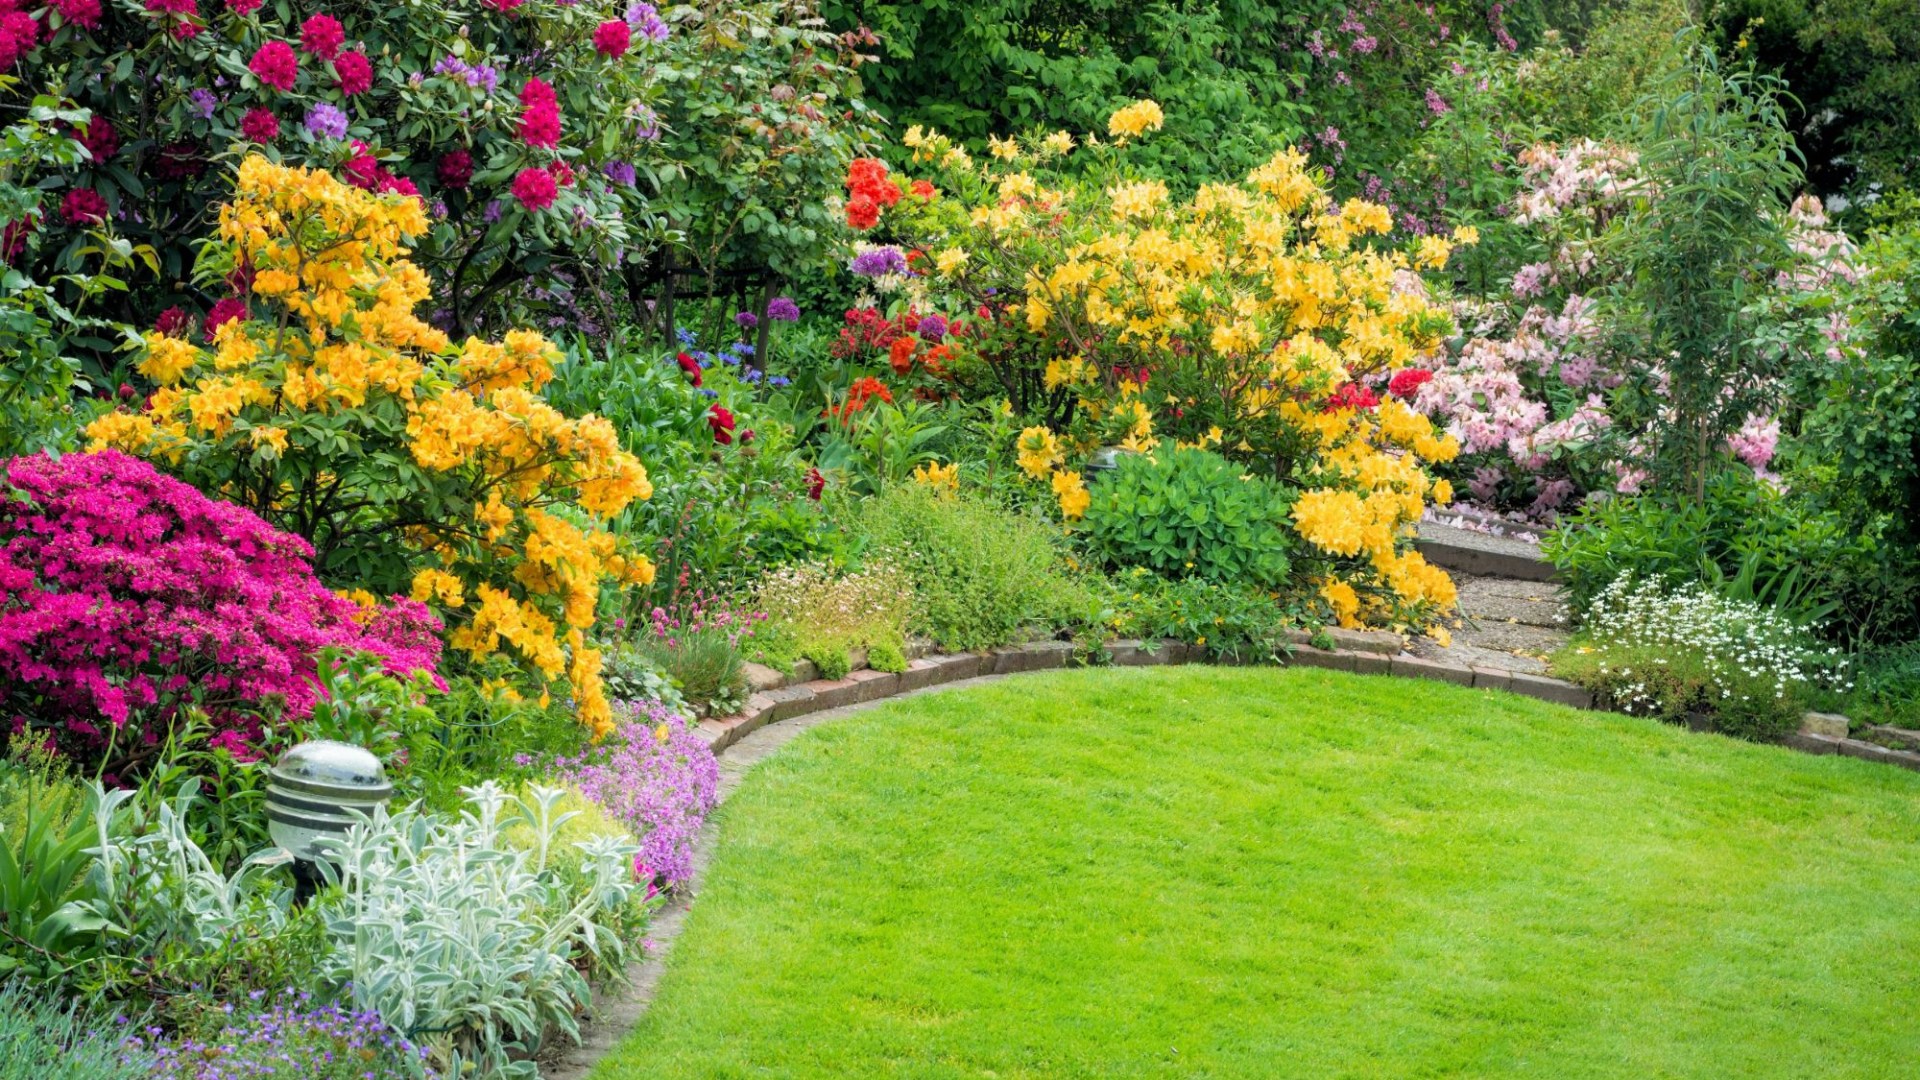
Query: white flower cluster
point(1744, 650)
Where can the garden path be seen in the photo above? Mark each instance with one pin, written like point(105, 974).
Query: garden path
point(1511, 614)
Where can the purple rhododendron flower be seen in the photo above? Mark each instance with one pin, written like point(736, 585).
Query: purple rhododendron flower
point(645, 20)
point(619, 172)
point(204, 102)
point(933, 327)
point(326, 121)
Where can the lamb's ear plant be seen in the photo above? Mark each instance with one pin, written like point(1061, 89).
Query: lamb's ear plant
point(465, 943)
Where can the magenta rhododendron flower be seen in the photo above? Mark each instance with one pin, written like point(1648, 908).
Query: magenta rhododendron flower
point(539, 115)
point(611, 39)
point(455, 168)
point(355, 72)
point(224, 312)
point(260, 125)
point(82, 13)
point(322, 36)
point(83, 206)
point(535, 188)
point(126, 595)
point(99, 137)
point(276, 65)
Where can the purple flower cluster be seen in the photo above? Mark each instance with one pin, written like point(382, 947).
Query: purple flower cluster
point(288, 1041)
point(933, 328)
point(879, 262)
point(620, 172)
point(204, 101)
point(326, 121)
point(645, 20)
point(477, 76)
point(745, 320)
point(783, 309)
point(656, 777)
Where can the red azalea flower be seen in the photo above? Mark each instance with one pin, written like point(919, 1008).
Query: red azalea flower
point(172, 322)
point(900, 355)
point(1405, 384)
point(612, 38)
point(322, 36)
point(923, 189)
point(354, 71)
point(721, 421)
point(126, 392)
point(689, 365)
point(816, 483)
point(276, 65)
point(260, 126)
point(862, 212)
point(456, 168)
point(82, 13)
point(535, 189)
point(99, 138)
point(83, 206)
point(1352, 396)
point(224, 312)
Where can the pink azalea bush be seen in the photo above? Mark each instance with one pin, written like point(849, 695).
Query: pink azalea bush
point(1527, 392)
point(126, 595)
point(656, 777)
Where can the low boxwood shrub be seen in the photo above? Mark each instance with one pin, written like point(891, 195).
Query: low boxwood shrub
point(1190, 513)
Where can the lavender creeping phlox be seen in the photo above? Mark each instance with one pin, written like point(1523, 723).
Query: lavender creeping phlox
point(656, 777)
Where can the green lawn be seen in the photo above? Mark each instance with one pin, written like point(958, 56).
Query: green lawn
point(1210, 872)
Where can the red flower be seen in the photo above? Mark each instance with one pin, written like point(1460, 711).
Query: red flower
point(1405, 384)
point(13, 239)
point(276, 65)
point(721, 421)
point(562, 173)
point(18, 34)
point(504, 5)
point(535, 189)
point(83, 206)
point(179, 160)
point(689, 365)
point(354, 72)
point(922, 189)
point(126, 392)
point(224, 312)
point(900, 355)
point(186, 31)
point(99, 138)
point(363, 170)
point(862, 212)
point(539, 115)
point(322, 36)
point(1352, 396)
point(82, 13)
point(612, 38)
point(816, 484)
point(172, 322)
point(260, 125)
point(456, 168)
point(244, 8)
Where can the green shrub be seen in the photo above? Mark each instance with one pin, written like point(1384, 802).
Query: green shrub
point(1231, 622)
point(886, 656)
point(44, 1033)
point(825, 614)
point(981, 575)
point(1189, 513)
point(1886, 688)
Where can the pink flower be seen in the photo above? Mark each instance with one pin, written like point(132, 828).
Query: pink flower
point(276, 65)
point(224, 312)
point(539, 115)
point(18, 35)
point(455, 168)
point(82, 13)
point(354, 71)
point(83, 206)
point(172, 322)
point(322, 36)
point(100, 139)
point(612, 38)
point(243, 8)
point(535, 189)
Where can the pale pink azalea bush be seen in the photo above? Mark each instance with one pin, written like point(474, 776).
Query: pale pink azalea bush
point(1527, 391)
point(126, 596)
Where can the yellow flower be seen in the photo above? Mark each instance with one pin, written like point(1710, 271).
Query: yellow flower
point(1136, 119)
point(949, 260)
point(429, 584)
point(1073, 495)
point(1004, 149)
point(1038, 451)
point(168, 359)
point(273, 439)
point(1058, 143)
point(1466, 235)
point(938, 476)
point(1345, 602)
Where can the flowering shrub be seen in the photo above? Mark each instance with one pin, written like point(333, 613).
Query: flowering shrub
point(126, 596)
point(827, 614)
point(1256, 318)
point(409, 461)
point(698, 643)
point(1669, 651)
point(657, 778)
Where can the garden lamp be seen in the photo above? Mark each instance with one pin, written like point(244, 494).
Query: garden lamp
point(1104, 460)
point(321, 789)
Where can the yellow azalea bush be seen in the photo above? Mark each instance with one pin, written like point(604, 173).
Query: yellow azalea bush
point(1261, 319)
point(413, 463)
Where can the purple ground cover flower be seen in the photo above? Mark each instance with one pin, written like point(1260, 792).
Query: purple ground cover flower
point(656, 777)
point(291, 1041)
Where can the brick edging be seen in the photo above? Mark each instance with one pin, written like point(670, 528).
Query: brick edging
point(777, 697)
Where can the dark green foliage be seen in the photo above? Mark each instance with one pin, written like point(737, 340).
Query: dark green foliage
point(1191, 513)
